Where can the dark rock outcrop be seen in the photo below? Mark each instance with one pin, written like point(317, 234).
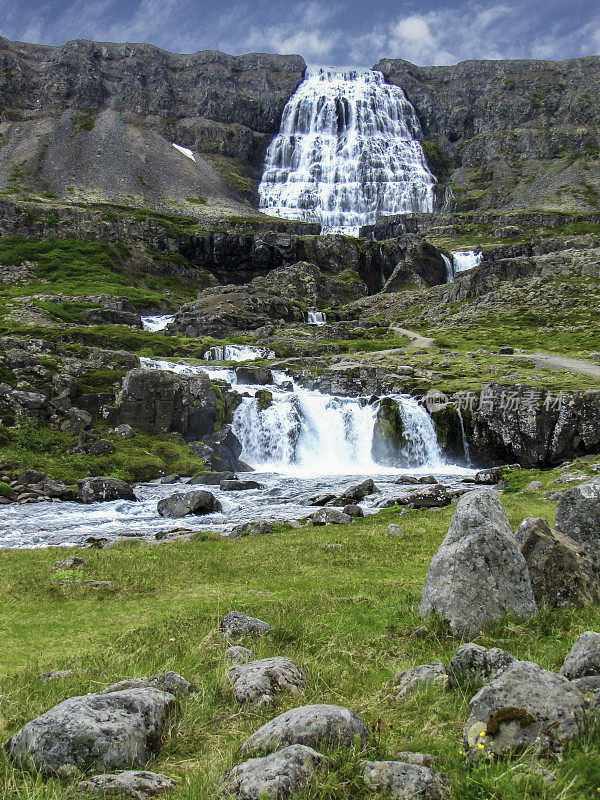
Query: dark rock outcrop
point(97, 490)
point(182, 504)
point(561, 571)
point(157, 401)
point(388, 433)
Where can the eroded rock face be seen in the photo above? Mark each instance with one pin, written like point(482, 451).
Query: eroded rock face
point(235, 624)
point(578, 515)
point(314, 726)
point(114, 731)
point(403, 781)
point(157, 401)
point(259, 681)
point(276, 776)
point(524, 706)
point(182, 504)
point(137, 784)
point(561, 571)
point(478, 572)
point(583, 659)
point(103, 489)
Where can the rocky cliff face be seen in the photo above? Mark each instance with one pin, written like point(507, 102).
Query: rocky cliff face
point(508, 133)
point(91, 120)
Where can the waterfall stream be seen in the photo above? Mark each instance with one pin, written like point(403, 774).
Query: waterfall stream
point(348, 151)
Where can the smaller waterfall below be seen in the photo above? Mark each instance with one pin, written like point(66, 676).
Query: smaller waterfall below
point(419, 430)
point(347, 151)
point(237, 352)
point(449, 268)
point(464, 438)
point(316, 317)
point(157, 323)
point(464, 260)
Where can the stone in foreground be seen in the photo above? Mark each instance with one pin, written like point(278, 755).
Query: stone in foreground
point(478, 573)
point(474, 664)
point(583, 659)
point(235, 624)
point(259, 681)
point(314, 726)
point(561, 571)
point(524, 707)
point(109, 732)
point(410, 680)
point(182, 504)
point(100, 490)
point(275, 777)
point(578, 515)
point(136, 784)
point(404, 781)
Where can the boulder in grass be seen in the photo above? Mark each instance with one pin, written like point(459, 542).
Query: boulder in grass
point(409, 680)
point(330, 516)
point(107, 732)
point(170, 682)
point(403, 781)
point(583, 659)
point(474, 664)
point(478, 573)
point(183, 503)
point(578, 515)
point(235, 625)
point(259, 681)
point(524, 707)
point(103, 489)
point(276, 777)
point(314, 726)
point(136, 784)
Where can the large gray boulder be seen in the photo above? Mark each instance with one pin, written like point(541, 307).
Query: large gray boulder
point(103, 489)
point(181, 504)
point(403, 781)
point(314, 726)
point(137, 784)
point(275, 777)
point(478, 573)
point(107, 732)
point(583, 659)
point(330, 516)
point(474, 664)
point(259, 681)
point(428, 497)
point(524, 706)
point(578, 515)
point(561, 571)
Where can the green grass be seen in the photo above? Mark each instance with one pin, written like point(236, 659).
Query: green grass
point(343, 601)
point(76, 267)
point(143, 457)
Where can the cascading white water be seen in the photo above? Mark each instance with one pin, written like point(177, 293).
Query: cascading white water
point(308, 432)
point(237, 352)
point(157, 323)
point(465, 259)
point(348, 151)
point(449, 268)
point(465, 441)
point(316, 318)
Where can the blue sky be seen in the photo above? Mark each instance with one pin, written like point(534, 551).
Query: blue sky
point(323, 31)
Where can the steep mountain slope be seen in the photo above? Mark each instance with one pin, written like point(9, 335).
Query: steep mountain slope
point(90, 121)
point(509, 134)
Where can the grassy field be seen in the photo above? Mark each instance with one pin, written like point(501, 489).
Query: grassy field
point(343, 601)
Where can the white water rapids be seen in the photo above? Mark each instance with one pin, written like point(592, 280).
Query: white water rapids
point(306, 443)
point(347, 152)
